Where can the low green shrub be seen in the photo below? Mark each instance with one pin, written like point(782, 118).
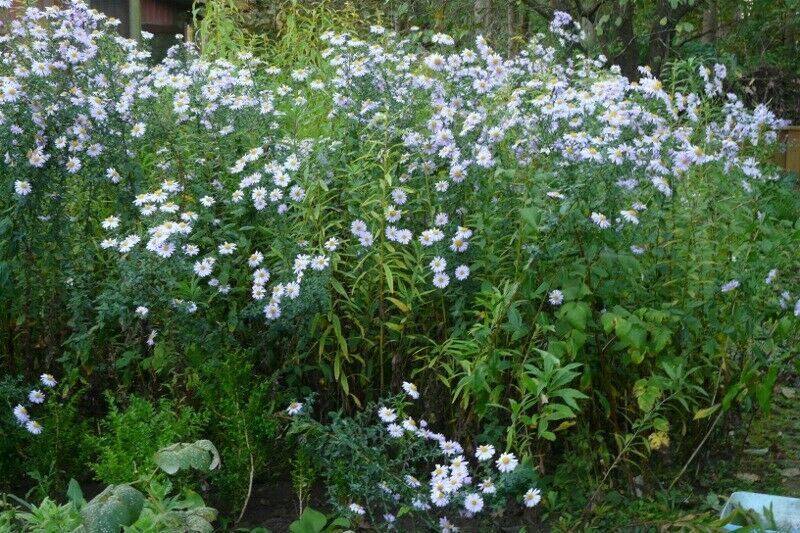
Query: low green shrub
point(129, 437)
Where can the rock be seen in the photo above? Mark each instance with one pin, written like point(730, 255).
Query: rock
point(790, 472)
point(788, 392)
point(745, 476)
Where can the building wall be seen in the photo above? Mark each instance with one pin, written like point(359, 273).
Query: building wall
point(117, 9)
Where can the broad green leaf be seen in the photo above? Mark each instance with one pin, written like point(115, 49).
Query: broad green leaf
point(115, 507)
point(311, 521)
point(199, 455)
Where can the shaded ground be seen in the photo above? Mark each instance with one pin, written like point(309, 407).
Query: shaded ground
point(274, 505)
point(769, 461)
point(765, 458)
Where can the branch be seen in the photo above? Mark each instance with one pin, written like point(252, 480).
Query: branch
point(543, 11)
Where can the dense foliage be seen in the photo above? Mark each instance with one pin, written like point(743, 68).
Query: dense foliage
point(581, 273)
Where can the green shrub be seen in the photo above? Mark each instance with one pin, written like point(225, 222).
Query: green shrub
point(128, 438)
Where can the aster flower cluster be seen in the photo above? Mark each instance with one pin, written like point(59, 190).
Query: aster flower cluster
point(468, 123)
point(485, 115)
point(22, 412)
point(458, 487)
point(199, 166)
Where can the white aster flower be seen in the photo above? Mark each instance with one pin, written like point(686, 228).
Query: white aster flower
point(532, 497)
point(507, 462)
point(36, 396)
point(411, 390)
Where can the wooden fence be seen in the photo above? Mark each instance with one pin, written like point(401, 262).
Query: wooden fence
point(789, 158)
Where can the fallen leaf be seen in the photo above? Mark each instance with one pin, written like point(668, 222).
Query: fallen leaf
point(788, 392)
point(757, 451)
point(745, 476)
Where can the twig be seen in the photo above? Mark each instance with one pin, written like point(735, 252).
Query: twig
point(250, 483)
point(708, 433)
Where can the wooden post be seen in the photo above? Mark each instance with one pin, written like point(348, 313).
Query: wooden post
point(792, 136)
point(788, 157)
point(135, 19)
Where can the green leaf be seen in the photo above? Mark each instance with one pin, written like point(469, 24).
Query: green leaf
point(621, 327)
point(311, 521)
point(400, 305)
point(74, 493)
point(389, 278)
point(608, 320)
point(706, 412)
point(646, 394)
point(115, 507)
point(199, 455)
point(577, 314)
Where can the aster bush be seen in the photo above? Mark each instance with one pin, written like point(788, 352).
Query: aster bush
point(545, 246)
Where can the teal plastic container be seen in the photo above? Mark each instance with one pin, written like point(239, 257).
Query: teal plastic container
point(785, 511)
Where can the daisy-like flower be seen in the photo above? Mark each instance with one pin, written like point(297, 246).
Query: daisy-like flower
point(142, 311)
point(411, 390)
point(487, 486)
point(409, 424)
point(21, 414)
point(438, 264)
point(320, 262)
point(357, 509)
point(272, 311)
point(138, 130)
point(387, 414)
point(34, 427)
point(637, 250)
point(73, 165)
point(473, 503)
point(439, 473)
point(730, 286)
point(771, 275)
point(111, 222)
point(48, 380)
point(441, 280)
point(22, 187)
point(556, 297)
point(450, 447)
point(507, 462)
point(294, 408)
point(36, 396)
point(255, 259)
point(439, 498)
point(446, 526)
point(226, 248)
point(601, 220)
point(395, 430)
point(484, 452)
point(332, 244)
point(532, 497)
point(412, 482)
point(462, 272)
point(630, 215)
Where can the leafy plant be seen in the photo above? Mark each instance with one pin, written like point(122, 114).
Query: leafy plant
point(124, 506)
point(312, 521)
point(129, 438)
